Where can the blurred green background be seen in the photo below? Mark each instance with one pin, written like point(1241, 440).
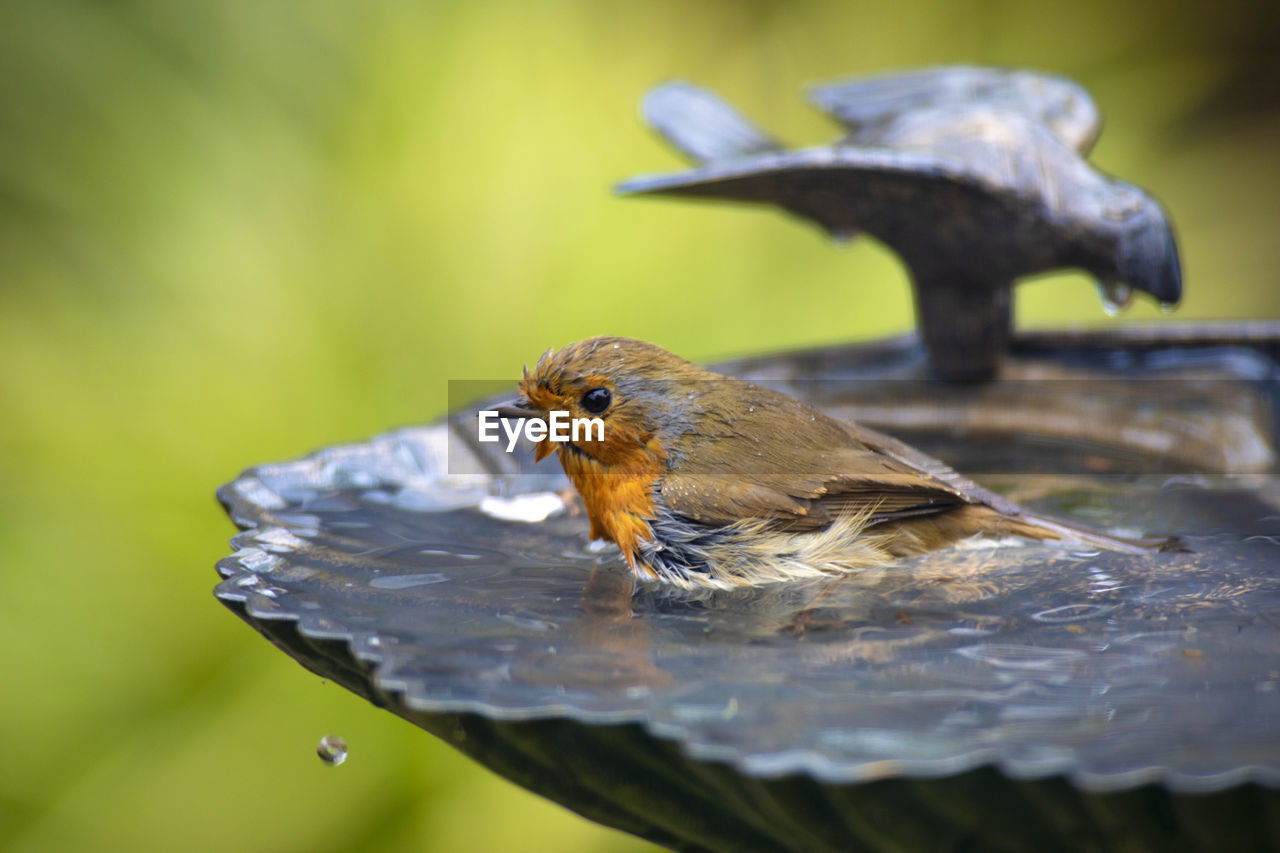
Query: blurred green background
point(232, 232)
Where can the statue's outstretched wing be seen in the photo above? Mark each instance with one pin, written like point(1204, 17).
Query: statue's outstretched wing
point(889, 194)
point(871, 106)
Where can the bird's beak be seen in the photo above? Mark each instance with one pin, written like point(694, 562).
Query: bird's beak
point(521, 409)
point(517, 408)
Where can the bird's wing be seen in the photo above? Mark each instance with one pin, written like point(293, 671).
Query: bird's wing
point(935, 470)
point(871, 106)
point(852, 482)
point(737, 468)
point(700, 124)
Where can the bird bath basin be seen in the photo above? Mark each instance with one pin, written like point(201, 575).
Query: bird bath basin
point(994, 698)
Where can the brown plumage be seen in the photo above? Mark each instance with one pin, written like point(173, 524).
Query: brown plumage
point(703, 480)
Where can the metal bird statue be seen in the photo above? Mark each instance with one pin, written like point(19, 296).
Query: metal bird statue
point(976, 177)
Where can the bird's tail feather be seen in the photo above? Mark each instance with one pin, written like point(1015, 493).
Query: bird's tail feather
point(921, 535)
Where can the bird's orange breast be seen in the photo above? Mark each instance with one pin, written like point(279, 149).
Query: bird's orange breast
point(618, 495)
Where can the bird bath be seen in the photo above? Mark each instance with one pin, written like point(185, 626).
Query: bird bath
point(997, 698)
point(979, 698)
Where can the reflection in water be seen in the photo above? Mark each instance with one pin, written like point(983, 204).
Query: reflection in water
point(610, 647)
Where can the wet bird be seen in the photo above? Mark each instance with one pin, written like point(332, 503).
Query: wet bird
point(703, 480)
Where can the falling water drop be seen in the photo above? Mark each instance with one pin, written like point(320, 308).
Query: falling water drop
point(1115, 296)
point(332, 750)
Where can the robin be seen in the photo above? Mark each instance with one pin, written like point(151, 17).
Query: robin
point(703, 480)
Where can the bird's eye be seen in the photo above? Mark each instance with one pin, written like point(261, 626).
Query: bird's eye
point(597, 400)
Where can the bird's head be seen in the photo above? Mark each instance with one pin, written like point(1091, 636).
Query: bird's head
point(643, 395)
point(1147, 255)
point(1136, 249)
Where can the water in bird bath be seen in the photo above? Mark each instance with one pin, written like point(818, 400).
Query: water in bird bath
point(1111, 667)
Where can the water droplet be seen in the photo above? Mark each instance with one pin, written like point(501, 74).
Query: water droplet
point(1115, 296)
point(332, 750)
point(1168, 307)
point(617, 346)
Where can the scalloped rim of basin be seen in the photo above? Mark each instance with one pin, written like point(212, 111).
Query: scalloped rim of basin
point(255, 544)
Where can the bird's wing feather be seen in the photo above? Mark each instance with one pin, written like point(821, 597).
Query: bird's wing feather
point(873, 489)
point(824, 468)
point(935, 469)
